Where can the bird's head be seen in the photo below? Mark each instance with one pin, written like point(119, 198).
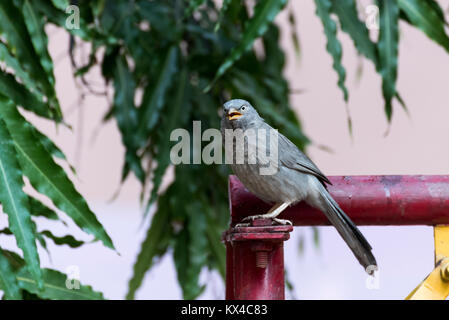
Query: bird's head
point(239, 113)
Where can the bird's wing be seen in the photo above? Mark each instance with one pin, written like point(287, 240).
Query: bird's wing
point(291, 157)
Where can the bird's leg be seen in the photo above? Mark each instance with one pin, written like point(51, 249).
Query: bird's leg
point(271, 214)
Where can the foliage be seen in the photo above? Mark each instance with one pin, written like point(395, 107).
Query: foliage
point(27, 82)
point(184, 58)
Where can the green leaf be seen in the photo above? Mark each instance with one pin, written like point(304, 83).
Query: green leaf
point(347, 14)
point(193, 6)
point(61, 4)
point(46, 176)
point(35, 23)
point(424, 17)
point(155, 244)
point(333, 46)
point(57, 286)
point(51, 147)
point(11, 61)
point(346, 11)
point(6, 231)
point(15, 261)
point(264, 13)
point(15, 203)
point(67, 240)
point(38, 209)
point(174, 109)
point(8, 282)
point(126, 115)
point(13, 27)
point(224, 8)
point(59, 17)
point(316, 237)
point(155, 94)
point(388, 50)
point(17, 92)
point(216, 247)
point(98, 7)
point(294, 33)
point(438, 10)
point(191, 251)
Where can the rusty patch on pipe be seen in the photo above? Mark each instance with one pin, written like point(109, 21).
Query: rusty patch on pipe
point(389, 181)
point(438, 190)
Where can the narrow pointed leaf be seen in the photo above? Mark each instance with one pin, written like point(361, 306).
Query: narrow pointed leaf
point(177, 105)
point(193, 5)
point(264, 14)
point(155, 96)
point(350, 23)
point(346, 11)
point(59, 17)
point(15, 261)
point(333, 46)
point(126, 115)
point(61, 4)
point(216, 246)
point(35, 24)
point(388, 50)
point(6, 231)
point(13, 27)
point(294, 33)
point(154, 244)
point(46, 176)
point(15, 203)
point(57, 287)
point(424, 17)
point(191, 251)
point(8, 281)
point(38, 209)
point(438, 10)
point(17, 92)
point(64, 240)
point(12, 62)
point(224, 8)
point(51, 147)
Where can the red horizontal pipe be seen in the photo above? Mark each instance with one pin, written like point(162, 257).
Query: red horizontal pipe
point(368, 200)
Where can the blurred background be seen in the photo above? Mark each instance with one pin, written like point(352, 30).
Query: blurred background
point(414, 143)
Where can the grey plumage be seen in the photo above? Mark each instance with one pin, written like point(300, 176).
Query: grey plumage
point(297, 179)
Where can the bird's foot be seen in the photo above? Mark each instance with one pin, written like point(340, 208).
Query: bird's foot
point(262, 216)
point(245, 224)
point(257, 216)
point(250, 219)
point(283, 222)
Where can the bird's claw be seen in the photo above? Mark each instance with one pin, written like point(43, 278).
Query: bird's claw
point(252, 218)
point(247, 224)
point(283, 222)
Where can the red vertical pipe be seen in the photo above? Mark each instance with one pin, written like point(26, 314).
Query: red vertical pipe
point(229, 271)
point(255, 283)
point(255, 261)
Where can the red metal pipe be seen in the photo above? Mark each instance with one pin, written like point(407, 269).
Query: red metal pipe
point(255, 261)
point(368, 200)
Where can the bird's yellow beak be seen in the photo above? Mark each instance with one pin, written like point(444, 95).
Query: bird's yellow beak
point(234, 114)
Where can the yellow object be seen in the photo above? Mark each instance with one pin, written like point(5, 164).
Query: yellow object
point(436, 285)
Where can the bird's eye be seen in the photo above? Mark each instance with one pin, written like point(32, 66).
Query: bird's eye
point(243, 108)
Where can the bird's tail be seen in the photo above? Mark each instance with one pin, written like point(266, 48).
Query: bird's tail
point(349, 231)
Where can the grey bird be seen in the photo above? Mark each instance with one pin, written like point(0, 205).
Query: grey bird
point(296, 179)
